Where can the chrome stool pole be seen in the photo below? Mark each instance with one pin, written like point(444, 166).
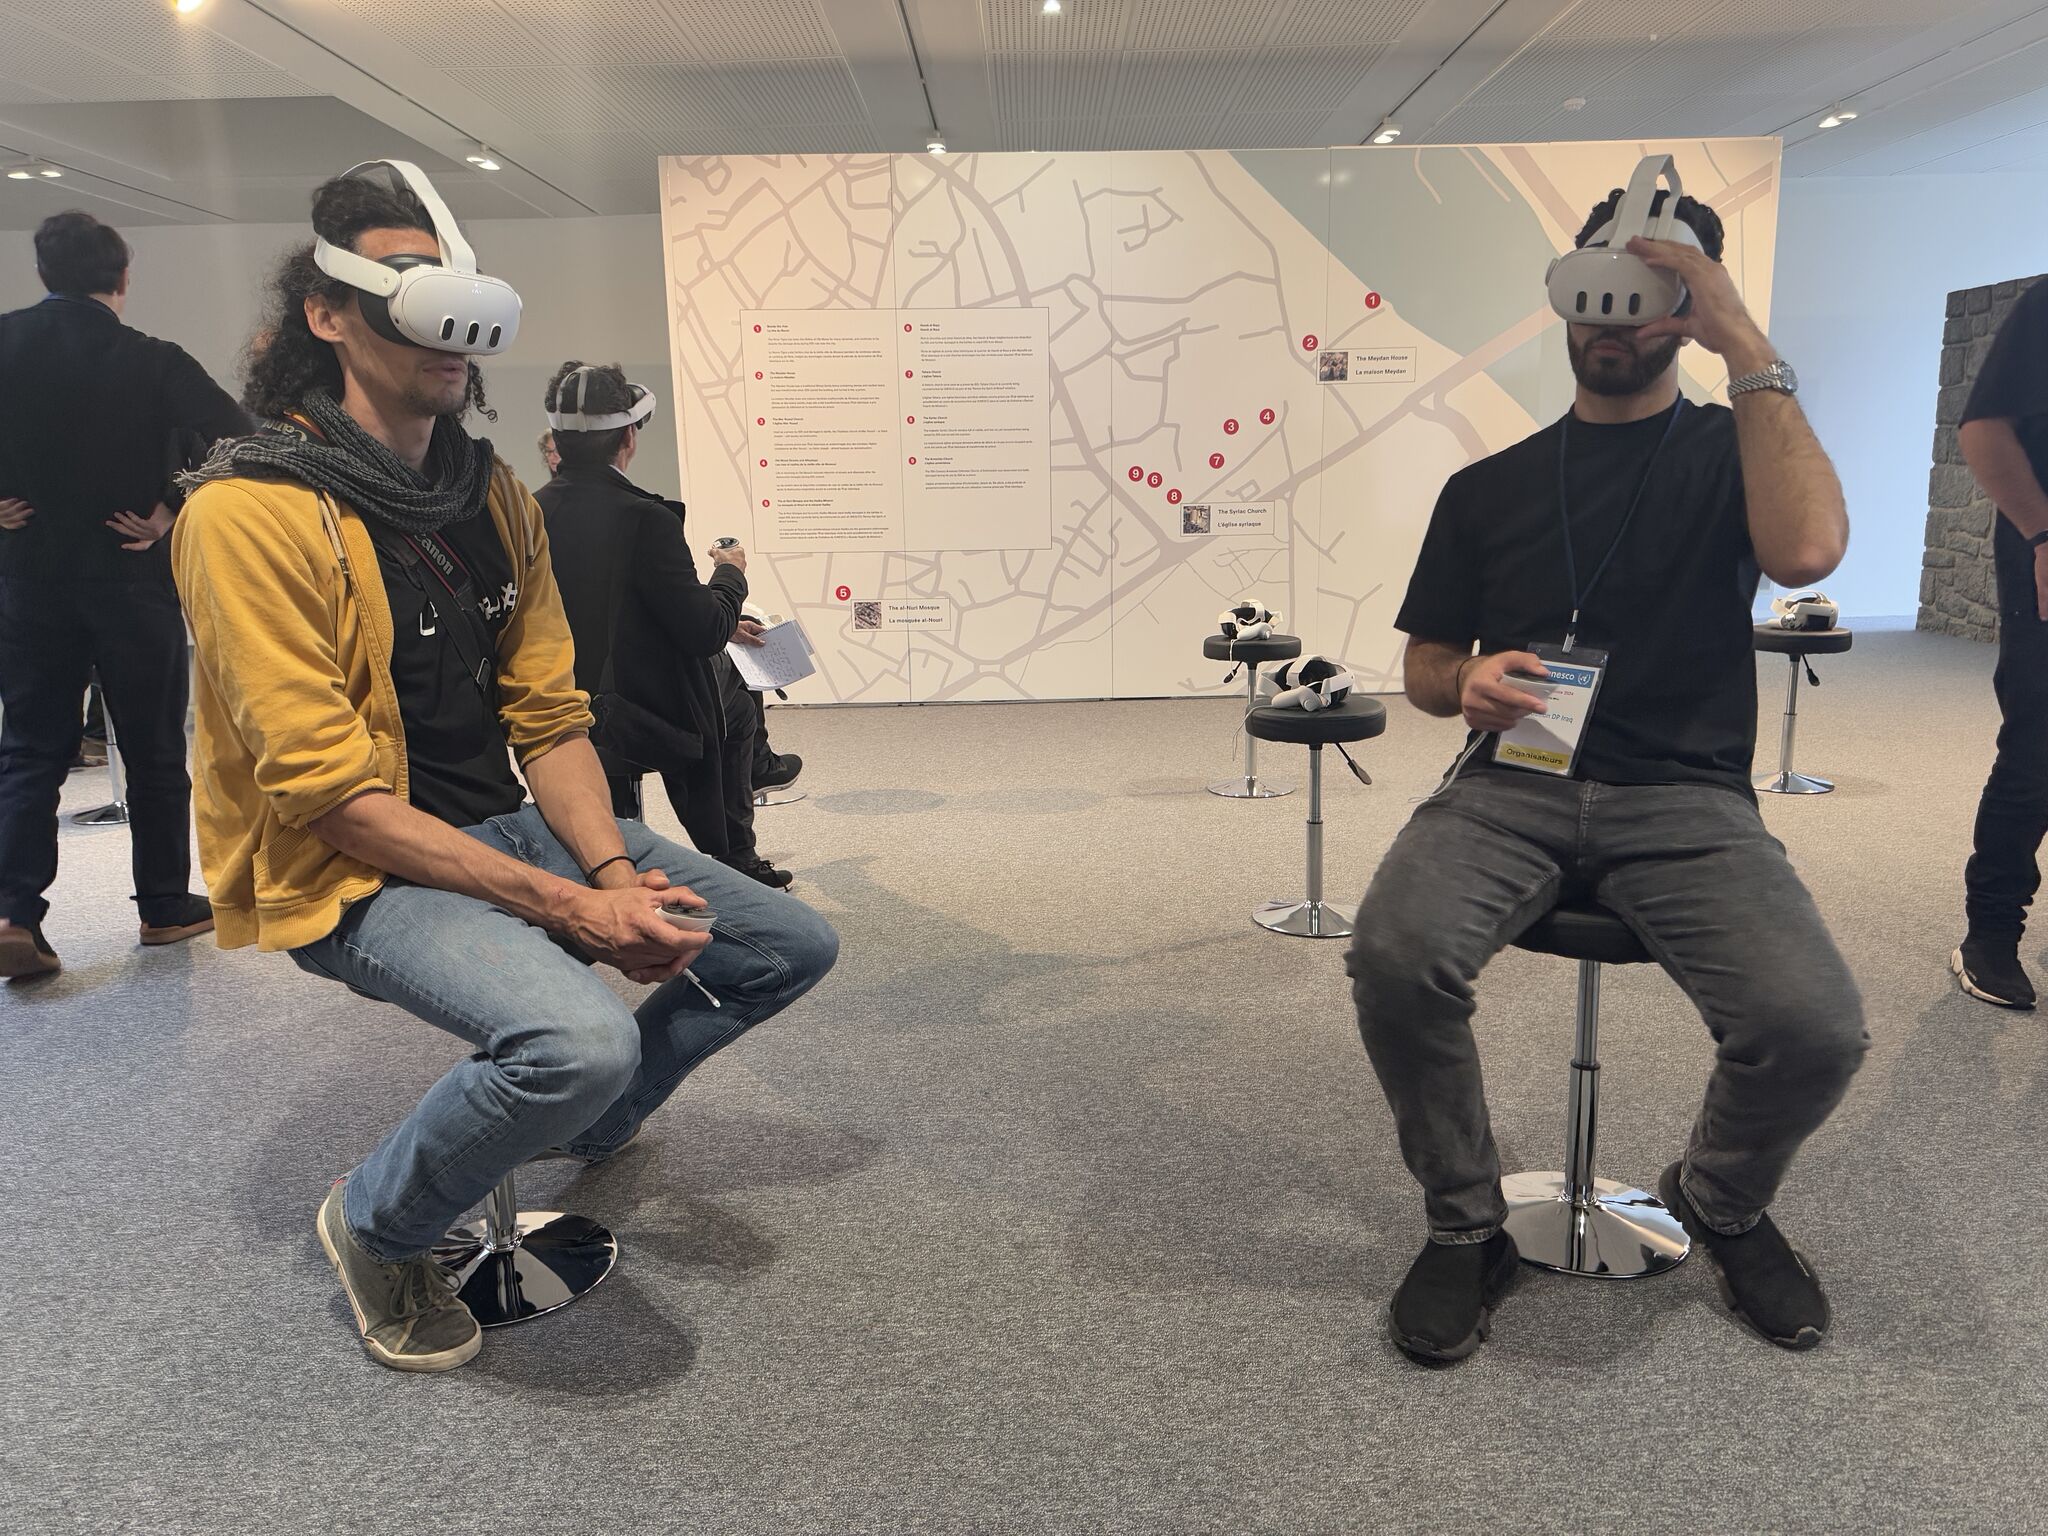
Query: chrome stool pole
point(517, 1264)
point(1309, 919)
point(1250, 787)
point(115, 812)
point(1575, 1222)
point(1785, 781)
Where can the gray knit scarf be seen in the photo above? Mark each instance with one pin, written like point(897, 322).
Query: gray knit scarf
point(353, 467)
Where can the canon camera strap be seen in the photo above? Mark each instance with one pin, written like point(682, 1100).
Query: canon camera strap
point(453, 575)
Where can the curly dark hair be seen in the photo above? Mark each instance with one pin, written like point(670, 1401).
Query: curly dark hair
point(605, 389)
point(285, 360)
point(1704, 221)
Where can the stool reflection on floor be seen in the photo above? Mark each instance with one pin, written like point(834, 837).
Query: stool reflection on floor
point(514, 1264)
point(1572, 1221)
point(1356, 719)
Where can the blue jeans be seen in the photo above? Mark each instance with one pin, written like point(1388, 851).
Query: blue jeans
point(559, 1059)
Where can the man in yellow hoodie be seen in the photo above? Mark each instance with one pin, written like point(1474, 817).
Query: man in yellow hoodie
point(377, 623)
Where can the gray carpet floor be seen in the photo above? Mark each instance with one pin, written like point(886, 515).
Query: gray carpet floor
point(1068, 1203)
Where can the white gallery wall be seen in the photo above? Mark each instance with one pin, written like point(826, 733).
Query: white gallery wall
point(1863, 266)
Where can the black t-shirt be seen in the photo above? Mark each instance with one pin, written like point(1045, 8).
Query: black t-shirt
point(458, 762)
point(1678, 702)
point(2013, 384)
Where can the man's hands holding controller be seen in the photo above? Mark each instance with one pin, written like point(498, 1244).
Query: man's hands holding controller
point(620, 924)
point(729, 552)
point(1489, 700)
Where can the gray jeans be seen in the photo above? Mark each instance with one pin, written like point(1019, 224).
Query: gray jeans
point(1691, 869)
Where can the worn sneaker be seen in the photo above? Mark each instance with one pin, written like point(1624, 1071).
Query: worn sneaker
point(24, 952)
point(408, 1313)
point(780, 772)
point(1444, 1308)
point(1990, 971)
point(192, 915)
point(1765, 1281)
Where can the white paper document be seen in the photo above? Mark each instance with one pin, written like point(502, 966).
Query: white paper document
point(782, 657)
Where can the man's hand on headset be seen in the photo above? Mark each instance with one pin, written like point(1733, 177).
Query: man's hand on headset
point(1717, 318)
point(1489, 701)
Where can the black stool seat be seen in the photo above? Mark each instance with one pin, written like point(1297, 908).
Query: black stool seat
point(1584, 931)
point(1273, 648)
point(1355, 719)
point(1803, 642)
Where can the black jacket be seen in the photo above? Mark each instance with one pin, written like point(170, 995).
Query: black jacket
point(629, 586)
point(92, 414)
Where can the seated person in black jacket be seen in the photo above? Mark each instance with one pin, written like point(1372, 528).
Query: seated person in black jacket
point(648, 633)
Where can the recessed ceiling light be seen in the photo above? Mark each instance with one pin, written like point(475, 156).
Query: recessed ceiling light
point(483, 160)
point(935, 147)
point(1575, 104)
point(1838, 115)
point(49, 171)
point(1051, 7)
point(29, 170)
point(1387, 132)
point(20, 173)
point(186, 7)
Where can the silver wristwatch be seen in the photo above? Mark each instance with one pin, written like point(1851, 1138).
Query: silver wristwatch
point(1778, 376)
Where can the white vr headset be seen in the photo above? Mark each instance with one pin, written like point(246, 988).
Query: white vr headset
point(415, 300)
point(1307, 682)
point(1601, 283)
point(1247, 619)
point(1806, 611)
point(569, 415)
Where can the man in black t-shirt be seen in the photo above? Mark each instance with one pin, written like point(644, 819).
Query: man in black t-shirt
point(1632, 531)
point(2004, 437)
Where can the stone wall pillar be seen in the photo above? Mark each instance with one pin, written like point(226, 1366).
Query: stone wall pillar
point(1958, 588)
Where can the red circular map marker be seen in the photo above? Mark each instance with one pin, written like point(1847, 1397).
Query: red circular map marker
point(757, 374)
point(844, 594)
point(764, 501)
point(760, 421)
point(1155, 479)
point(906, 326)
point(910, 373)
point(764, 463)
point(910, 421)
point(1230, 427)
point(1173, 498)
point(1137, 471)
point(1266, 417)
point(913, 458)
point(1215, 461)
point(1309, 342)
point(1372, 301)
point(757, 330)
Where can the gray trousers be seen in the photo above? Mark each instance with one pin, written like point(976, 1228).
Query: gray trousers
point(1692, 871)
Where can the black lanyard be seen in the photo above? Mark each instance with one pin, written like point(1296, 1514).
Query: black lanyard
point(1571, 563)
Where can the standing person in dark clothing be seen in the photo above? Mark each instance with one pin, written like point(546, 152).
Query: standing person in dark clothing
point(2004, 437)
point(650, 636)
point(94, 419)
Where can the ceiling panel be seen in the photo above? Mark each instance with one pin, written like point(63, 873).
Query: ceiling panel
point(129, 50)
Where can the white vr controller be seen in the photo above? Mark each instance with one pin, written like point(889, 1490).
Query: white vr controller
point(446, 305)
point(569, 415)
point(1248, 619)
point(1308, 682)
point(1601, 283)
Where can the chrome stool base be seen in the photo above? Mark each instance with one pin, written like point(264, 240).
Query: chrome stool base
point(1251, 789)
point(1618, 1234)
point(113, 815)
point(777, 796)
point(550, 1261)
point(1789, 783)
point(1304, 919)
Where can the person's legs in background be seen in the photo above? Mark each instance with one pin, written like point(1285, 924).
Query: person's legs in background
point(138, 648)
point(772, 769)
point(2003, 872)
point(738, 756)
point(45, 658)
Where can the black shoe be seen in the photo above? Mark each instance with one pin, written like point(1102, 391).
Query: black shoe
point(780, 772)
point(760, 869)
point(192, 916)
point(1765, 1281)
point(1445, 1307)
point(1990, 971)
